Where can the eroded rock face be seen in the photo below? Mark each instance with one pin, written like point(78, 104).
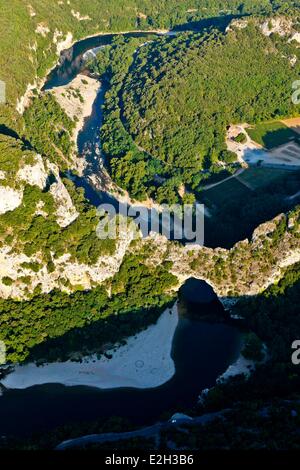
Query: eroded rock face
point(77, 274)
point(295, 37)
point(281, 25)
point(66, 212)
point(246, 270)
point(62, 41)
point(10, 199)
point(24, 101)
point(42, 29)
point(34, 174)
point(266, 229)
point(79, 16)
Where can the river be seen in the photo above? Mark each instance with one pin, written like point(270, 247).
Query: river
point(201, 351)
point(72, 62)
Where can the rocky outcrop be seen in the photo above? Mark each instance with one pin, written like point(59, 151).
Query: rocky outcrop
point(79, 16)
point(10, 199)
point(245, 270)
point(34, 174)
point(295, 37)
point(282, 25)
point(24, 101)
point(62, 41)
point(66, 212)
point(42, 29)
point(31, 11)
point(66, 275)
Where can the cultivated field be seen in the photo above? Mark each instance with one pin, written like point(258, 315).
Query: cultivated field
point(222, 194)
point(272, 134)
point(293, 123)
point(260, 177)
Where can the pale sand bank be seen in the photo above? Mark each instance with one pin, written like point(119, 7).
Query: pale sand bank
point(144, 362)
point(77, 99)
point(240, 366)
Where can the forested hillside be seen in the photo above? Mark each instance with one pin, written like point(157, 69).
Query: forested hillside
point(183, 92)
point(168, 100)
point(31, 37)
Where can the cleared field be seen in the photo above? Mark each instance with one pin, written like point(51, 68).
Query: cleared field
point(293, 123)
point(272, 134)
point(260, 177)
point(226, 192)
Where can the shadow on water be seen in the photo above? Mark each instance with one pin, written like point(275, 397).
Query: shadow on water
point(201, 352)
point(7, 131)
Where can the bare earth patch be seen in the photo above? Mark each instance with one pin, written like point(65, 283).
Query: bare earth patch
point(293, 123)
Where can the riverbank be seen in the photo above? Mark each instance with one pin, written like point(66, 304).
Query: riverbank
point(144, 362)
point(77, 99)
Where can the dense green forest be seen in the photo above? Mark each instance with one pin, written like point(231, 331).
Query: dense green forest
point(49, 130)
point(29, 232)
point(182, 93)
point(35, 53)
point(138, 293)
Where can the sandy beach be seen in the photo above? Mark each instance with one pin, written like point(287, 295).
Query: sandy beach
point(144, 362)
point(77, 99)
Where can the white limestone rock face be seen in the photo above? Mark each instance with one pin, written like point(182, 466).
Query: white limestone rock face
point(11, 265)
point(35, 175)
point(295, 37)
point(62, 44)
point(42, 29)
point(10, 199)
point(24, 101)
point(66, 212)
point(79, 16)
point(237, 24)
point(31, 11)
point(106, 266)
point(281, 25)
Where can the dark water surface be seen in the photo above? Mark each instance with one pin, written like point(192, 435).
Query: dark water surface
point(201, 351)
